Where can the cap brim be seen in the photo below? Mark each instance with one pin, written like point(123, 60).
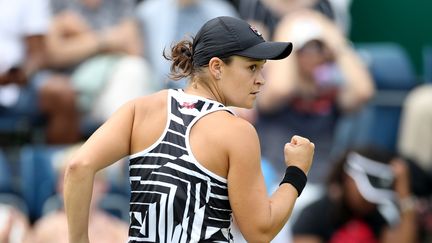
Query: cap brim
point(268, 50)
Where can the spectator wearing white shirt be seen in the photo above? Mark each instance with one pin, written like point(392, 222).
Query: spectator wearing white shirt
point(23, 28)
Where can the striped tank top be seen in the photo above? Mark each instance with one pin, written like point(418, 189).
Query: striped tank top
point(173, 197)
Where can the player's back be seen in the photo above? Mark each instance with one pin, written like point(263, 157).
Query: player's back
point(173, 194)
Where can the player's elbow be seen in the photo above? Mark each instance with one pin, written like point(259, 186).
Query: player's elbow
point(259, 234)
point(259, 237)
point(76, 169)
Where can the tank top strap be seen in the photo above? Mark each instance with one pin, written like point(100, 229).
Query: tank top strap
point(185, 108)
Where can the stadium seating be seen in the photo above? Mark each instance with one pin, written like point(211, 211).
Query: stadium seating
point(378, 122)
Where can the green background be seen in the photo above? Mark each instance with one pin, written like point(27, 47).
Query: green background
point(408, 23)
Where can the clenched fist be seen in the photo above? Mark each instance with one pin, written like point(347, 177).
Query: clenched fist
point(299, 152)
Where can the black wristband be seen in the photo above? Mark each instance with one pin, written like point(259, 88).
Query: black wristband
point(296, 177)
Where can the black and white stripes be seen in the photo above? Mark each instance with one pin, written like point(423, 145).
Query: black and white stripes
point(173, 197)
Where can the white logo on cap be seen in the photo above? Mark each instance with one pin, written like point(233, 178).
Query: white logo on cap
point(255, 30)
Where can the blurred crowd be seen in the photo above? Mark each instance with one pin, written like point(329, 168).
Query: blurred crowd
point(67, 65)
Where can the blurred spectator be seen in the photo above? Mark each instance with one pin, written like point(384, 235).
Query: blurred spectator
point(415, 143)
point(283, 8)
point(23, 25)
point(258, 15)
point(14, 225)
point(266, 14)
point(96, 48)
point(164, 22)
point(306, 93)
point(22, 30)
point(362, 188)
point(415, 140)
point(103, 227)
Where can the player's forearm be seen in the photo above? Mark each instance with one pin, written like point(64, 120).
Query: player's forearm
point(295, 178)
point(274, 215)
point(282, 204)
point(78, 186)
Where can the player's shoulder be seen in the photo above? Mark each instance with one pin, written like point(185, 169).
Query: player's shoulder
point(232, 127)
point(234, 134)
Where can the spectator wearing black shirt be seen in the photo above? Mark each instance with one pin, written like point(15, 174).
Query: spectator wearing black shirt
point(362, 183)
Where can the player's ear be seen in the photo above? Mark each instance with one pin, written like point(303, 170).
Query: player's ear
point(215, 67)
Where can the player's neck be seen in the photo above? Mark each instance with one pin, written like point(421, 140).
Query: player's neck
point(204, 91)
